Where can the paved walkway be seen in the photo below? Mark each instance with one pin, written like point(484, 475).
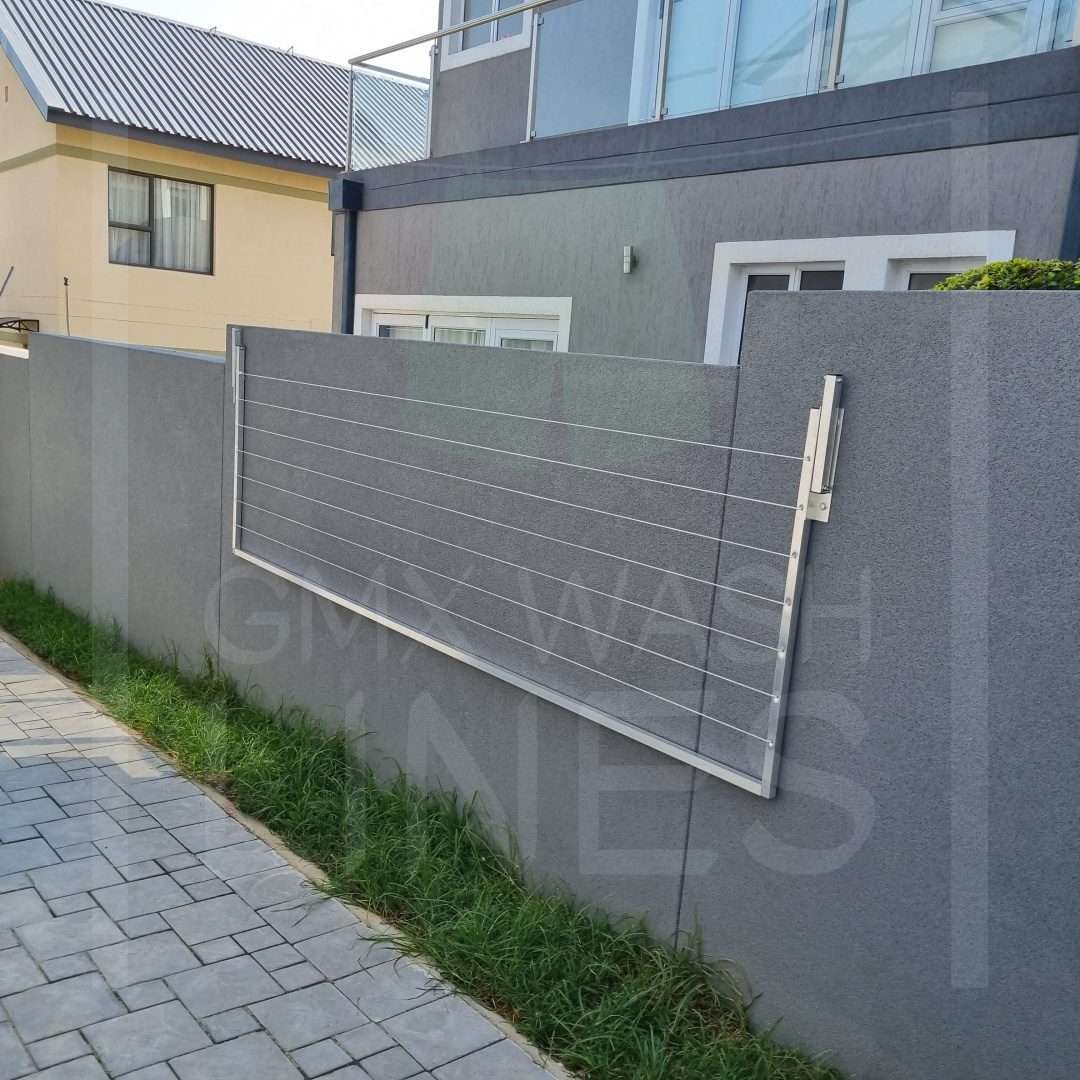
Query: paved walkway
point(145, 933)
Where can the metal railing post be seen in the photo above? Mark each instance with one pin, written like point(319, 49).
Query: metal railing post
point(836, 57)
point(662, 64)
point(530, 117)
point(813, 503)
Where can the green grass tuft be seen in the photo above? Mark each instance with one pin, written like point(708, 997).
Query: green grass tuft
point(597, 994)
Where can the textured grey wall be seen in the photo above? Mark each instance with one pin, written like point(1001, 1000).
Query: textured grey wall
point(569, 243)
point(14, 465)
point(125, 505)
point(481, 104)
point(908, 901)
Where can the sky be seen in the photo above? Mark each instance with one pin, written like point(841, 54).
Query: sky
point(326, 29)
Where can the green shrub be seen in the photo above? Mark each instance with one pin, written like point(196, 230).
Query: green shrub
point(1016, 274)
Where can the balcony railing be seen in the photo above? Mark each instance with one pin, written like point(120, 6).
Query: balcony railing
point(590, 64)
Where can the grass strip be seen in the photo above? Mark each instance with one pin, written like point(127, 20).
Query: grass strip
point(596, 993)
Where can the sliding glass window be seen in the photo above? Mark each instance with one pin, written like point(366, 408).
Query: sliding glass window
point(723, 53)
point(162, 223)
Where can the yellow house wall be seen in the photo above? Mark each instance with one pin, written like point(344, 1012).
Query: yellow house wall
point(272, 262)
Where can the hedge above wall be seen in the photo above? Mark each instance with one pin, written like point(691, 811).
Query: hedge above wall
point(1016, 274)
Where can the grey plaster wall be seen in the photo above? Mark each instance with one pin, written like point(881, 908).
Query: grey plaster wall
point(569, 243)
point(14, 464)
point(481, 104)
point(125, 502)
point(908, 901)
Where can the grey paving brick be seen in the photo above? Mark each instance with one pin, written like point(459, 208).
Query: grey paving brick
point(251, 1057)
point(116, 802)
point(26, 794)
point(296, 922)
point(146, 1037)
point(293, 978)
point(13, 670)
point(132, 899)
point(69, 934)
point(31, 812)
point(82, 724)
point(138, 847)
point(256, 940)
point(191, 874)
point(502, 1061)
point(25, 855)
point(19, 908)
point(10, 732)
point(389, 989)
point(137, 871)
point(79, 830)
point(438, 1033)
point(63, 1006)
point(279, 885)
point(131, 809)
point(14, 882)
point(321, 1058)
point(162, 790)
point(152, 1072)
point(18, 972)
point(58, 1049)
point(184, 861)
point(307, 1016)
point(139, 823)
point(83, 789)
point(345, 951)
point(220, 987)
point(136, 771)
point(32, 776)
point(392, 1064)
point(74, 852)
point(14, 1060)
point(143, 995)
point(210, 952)
point(85, 1068)
point(51, 709)
point(64, 967)
point(278, 956)
point(211, 919)
point(242, 859)
point(77, 809)
point(105, 736)
point(189, 811)
point(119, 752)
point(80, 875)
point(350, 1072)
point(228, 1025)
point(153, 956)
point(11, 836)
point(204, 890)
point(145, 924)
point(68, 905)
point(8, 939)
point(212, 834)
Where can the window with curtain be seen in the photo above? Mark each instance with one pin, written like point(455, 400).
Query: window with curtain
point(158, 222)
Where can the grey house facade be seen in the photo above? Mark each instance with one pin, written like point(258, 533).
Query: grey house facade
point(733, 146)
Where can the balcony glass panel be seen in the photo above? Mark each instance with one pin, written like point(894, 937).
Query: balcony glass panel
point(979, 40)
point(695, 56)
point(1066, 21)
point(593, 68)
point(773, 50)
point(879, 41)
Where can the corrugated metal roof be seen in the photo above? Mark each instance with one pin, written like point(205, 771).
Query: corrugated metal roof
point(99, 62)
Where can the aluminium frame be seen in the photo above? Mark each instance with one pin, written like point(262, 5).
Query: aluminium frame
point(813, 504)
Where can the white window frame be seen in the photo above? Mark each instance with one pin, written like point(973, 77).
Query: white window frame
point(1041, 20)
point(870, 263)
point(451, 57)
point(545, 317)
